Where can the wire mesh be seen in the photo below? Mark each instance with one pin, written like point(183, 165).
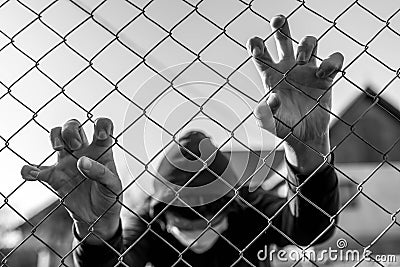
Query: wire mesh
point(141, 58)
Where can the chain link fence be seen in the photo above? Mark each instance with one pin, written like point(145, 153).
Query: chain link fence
point(64, 59)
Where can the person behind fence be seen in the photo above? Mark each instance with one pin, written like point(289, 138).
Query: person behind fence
point(232, 229)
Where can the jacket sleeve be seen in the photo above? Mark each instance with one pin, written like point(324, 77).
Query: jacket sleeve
point(130, 245)
point(304, 217)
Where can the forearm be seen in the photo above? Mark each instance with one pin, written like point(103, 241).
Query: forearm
point(311, 211)
point(101, 254)
point(108, 252)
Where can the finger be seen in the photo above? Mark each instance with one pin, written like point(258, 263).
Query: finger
point(306, 49)
point(83, 136)
point(282, 36)
point(273, 102)
point(98, 172)
point(33, 173)
point(330, 66)
point(56, 139)
point(265, 110)
point(103, 130)
point(261, 57)
point(70, 134)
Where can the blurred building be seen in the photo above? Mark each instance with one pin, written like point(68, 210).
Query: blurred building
point(42, 240)
point(366, 143)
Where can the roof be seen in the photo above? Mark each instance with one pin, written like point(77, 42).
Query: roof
point(368, 130)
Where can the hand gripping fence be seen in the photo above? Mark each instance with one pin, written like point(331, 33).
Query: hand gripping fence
point(31, 14)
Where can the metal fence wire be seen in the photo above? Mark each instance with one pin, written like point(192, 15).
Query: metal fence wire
point(28, 14)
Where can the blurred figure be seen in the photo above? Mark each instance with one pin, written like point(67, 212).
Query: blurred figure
point(205, 228)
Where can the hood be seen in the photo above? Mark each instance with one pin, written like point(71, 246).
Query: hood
point(195, 170)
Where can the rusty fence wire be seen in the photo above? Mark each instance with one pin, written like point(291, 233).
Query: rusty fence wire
point(33, 14)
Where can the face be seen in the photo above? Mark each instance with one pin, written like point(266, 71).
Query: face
point(190, 232)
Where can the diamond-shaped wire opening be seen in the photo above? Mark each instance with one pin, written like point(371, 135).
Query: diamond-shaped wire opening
point(14, 18)
point(317, 25)
point(98, 39)
point(197, 39)
point(170, 55)
point(219, 51)
point(44, 90)
point(19, 142)
point(13, 65)
point(115, 15)
point(63, 17)
point(115, 62)
point(142, 26)
point(36, 40)
point(95, 86)
point(386, 39)
point(260, 27)
point(349, 23)
point(22, 116)
point(212, 10)
point(178, 11)
point(73, 65)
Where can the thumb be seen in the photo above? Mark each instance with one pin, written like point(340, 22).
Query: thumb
point(98, 172)
point(264, 112)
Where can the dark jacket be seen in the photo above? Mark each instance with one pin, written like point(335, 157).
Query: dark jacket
point(261, 218)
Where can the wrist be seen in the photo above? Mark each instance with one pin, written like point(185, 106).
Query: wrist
point(98, 233)
point(306, 156)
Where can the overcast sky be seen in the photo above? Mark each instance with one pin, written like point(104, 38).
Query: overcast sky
point(88, 91)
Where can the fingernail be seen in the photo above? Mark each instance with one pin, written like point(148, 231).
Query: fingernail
point(301, 57)
point(278, 21)
point(102, 135)
point(57, 143)
point(320, 74)
point(86, 163)
point(75, 144)
point(33, 174)
point(256, 51)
